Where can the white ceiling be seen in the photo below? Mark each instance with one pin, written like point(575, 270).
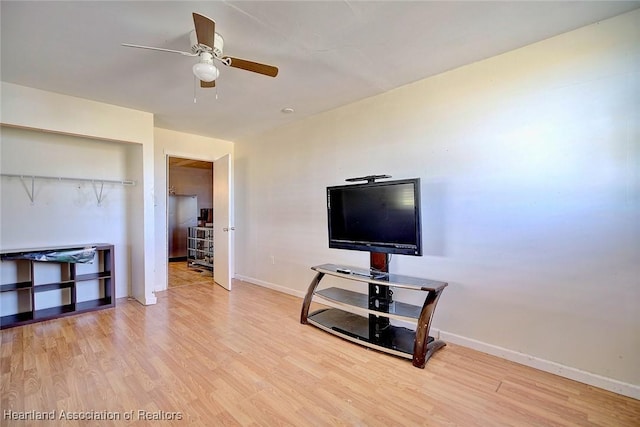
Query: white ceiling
point(329, 53)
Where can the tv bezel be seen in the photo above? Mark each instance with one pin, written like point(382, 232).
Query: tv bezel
point(391, 248)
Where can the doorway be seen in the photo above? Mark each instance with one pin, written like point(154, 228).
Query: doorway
point(189, 221)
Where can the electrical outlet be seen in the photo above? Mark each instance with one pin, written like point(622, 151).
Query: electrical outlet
point(273, 260)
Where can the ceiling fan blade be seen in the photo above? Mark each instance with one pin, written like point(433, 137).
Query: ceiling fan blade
point(256, 67)
point(160, 49)
point(205, 29)
point(207, 84)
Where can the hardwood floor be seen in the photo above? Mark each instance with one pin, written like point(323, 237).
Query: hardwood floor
point(181, 275)
point(204, 356)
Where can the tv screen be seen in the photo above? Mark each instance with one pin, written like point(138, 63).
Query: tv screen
point(376, 217)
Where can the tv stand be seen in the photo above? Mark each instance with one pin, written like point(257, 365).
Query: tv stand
point(354, 316)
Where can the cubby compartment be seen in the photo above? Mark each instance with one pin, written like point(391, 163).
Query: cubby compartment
point(45, 273)
point(53, 302)
point(16, 306)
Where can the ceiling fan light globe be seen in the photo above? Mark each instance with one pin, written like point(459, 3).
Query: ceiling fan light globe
point(206, 72)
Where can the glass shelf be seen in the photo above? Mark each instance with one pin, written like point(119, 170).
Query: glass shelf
point(395, 339)
point(344, 298)
point(388, 279)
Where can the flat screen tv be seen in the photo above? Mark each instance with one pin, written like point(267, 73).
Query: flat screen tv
point(376, 217)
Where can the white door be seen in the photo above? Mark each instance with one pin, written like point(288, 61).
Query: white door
point(222, 226)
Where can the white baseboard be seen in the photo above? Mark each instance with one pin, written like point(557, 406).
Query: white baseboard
point(146, 299)
point(284, 290)
point(619, 387)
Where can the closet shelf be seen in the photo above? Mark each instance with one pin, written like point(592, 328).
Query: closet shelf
point(63, 178)
point(93, 181)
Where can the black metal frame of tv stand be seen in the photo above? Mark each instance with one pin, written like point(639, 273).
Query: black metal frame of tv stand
point(380, 298)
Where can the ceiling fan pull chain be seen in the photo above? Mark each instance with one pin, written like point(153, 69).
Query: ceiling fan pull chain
point(195, 100)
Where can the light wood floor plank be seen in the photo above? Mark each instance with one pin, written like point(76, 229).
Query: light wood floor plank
point(243, 359)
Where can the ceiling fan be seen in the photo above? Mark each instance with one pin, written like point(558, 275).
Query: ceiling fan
point(207, 45)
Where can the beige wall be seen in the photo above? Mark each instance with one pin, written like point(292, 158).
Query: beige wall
point(530, 198)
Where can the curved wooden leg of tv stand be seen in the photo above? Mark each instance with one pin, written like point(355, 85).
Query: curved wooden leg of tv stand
point(423, 349)
point(307, 298)
point(432, 347)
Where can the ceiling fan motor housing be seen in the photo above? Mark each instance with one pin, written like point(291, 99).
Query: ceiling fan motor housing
point(216, 49)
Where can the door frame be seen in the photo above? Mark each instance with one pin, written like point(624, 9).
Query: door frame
point(165, 234)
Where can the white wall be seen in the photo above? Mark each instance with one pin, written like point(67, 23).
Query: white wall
point(530, 196)
point(176, 144)
point(49, 134)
